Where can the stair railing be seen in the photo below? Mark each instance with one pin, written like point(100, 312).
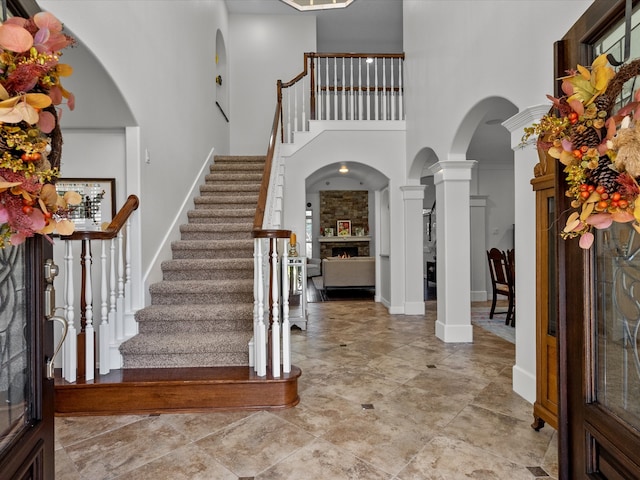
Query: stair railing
point(270, 345)
point(343, 86)
point(113, 297)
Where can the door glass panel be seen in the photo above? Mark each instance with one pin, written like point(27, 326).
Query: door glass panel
point(617, 385)
point(15, 384)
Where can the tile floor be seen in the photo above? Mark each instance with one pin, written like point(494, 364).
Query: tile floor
point(381, 398)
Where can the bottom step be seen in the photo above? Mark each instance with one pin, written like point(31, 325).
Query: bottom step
point(176, 390)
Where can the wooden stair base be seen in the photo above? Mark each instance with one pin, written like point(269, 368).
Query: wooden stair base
point(176, 390)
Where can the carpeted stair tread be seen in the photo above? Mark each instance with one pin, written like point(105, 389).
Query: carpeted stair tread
point(227, 199)
point(207, 269)
point(241, 313)
point(202, 286)
point(224, 177)
point(219, 215)
point(189, 343)
point(212, 231)
point(237, 167)
point(224, 189)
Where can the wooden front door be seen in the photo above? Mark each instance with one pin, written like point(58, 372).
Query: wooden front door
point(598, 314)
point(26, 337)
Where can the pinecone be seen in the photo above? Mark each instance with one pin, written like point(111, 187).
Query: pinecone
point(605, 175)
point(585, 136)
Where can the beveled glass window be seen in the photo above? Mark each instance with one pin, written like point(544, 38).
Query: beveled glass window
point(617, 324)
point(16, 386)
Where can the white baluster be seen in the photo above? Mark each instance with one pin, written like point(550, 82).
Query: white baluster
point(130, 328)
point(287, 109)
point(295, 108)
point(353, 117)
point(304, 107)
point(286, 326)
point(361, 93)
point(343, 92)
point(120, 297)
point(316, 87)
point(275, 310)
point(400, 91)
point(384, 88)
point(393, 94)
point(327, 106)
point(70, 362)
point(260, 332)
point(104, 313)
point(89, 332)
point(376, 95)
point(335, 89)
point(368, 95)
point(112, 290)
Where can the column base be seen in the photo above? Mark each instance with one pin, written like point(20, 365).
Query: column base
point(454, 333)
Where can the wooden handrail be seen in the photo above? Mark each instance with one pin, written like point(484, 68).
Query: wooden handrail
point(264, 185)
point(357, 55)
point(114, 227)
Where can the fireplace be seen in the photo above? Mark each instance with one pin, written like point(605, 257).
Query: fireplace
point(344, 251)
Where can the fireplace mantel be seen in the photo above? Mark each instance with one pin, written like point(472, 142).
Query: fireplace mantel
point(344, 239)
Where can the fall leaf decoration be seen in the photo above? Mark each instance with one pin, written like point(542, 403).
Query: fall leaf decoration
point(600, 151)
point(30, 91)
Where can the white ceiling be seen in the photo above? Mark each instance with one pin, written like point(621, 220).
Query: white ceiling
point(365, 26)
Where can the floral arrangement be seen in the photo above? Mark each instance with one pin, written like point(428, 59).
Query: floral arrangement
point(30, 139)
point(600, 151)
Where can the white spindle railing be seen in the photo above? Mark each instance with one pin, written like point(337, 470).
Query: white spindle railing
point(271, 321)
point(113, 286)
point(343, 87)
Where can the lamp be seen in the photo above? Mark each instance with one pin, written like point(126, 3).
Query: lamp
point(307, 5)
point(343, 169)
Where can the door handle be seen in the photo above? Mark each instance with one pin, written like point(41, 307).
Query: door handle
point(65, 328)
point(50, 273)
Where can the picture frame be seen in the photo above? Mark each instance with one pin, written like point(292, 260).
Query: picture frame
point(98, 206)
point(344, 228)
point(328, 232)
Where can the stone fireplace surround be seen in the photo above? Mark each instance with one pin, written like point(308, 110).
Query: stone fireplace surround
point(350, 205)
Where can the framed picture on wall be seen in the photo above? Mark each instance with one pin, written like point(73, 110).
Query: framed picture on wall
point(344, 228)
point(98, 204)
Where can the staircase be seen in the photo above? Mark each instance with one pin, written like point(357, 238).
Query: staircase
point(191, 352)
point(201, 313)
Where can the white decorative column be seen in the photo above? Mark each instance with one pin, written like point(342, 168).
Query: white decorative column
point(413, 196)
point(453, 236)
point(524, 371)
point(479, 248)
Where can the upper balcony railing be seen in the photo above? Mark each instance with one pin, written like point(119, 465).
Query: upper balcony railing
point(342, 86)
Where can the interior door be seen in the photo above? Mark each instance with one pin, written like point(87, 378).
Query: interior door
point(598, 311)
point(26, 337)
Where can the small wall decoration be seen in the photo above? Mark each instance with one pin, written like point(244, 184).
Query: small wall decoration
point(328, 232)
point(344, 228)
point(98, 201)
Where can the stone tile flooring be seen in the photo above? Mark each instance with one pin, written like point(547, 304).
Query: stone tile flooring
point(381, 398)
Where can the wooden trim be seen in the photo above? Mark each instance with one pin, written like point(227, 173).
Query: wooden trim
point(114, 227)
point(176, 390)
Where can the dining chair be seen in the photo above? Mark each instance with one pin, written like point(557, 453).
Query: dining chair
point(501, 283)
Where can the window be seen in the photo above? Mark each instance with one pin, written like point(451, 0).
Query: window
point(308, 233)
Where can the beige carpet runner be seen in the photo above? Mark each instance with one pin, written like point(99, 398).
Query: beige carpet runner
point(201, 313)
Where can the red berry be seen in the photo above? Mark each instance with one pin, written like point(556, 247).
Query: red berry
point(27, 209)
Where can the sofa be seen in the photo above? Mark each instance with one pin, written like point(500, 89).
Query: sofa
point(352, 272)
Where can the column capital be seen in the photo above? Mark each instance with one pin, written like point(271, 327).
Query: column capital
point(452, 170)
point(412, 192)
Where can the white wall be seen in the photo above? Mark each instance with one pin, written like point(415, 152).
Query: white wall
point(452, 45)
point(263, 49)
point(161, 56)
